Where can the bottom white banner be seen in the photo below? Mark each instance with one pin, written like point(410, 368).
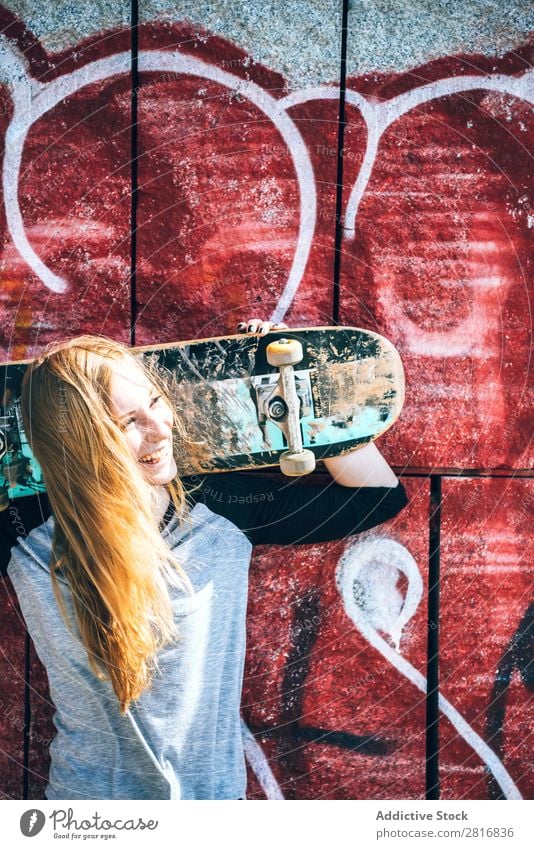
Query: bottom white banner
point(317, 824)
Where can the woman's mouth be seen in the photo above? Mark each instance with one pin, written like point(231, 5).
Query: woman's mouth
point(156, 457)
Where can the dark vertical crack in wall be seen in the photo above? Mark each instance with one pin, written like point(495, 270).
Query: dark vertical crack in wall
point(134, 47)
point(339, 174)
point(432, 695)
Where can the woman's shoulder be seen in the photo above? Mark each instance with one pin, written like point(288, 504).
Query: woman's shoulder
point(34, 549)
point(19, 520)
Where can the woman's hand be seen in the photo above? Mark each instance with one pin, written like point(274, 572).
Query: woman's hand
point(256, 325)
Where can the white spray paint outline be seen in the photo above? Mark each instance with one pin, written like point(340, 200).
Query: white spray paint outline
point(351, 571)
point(259, 764)
point(32, 100)
point(378, 117)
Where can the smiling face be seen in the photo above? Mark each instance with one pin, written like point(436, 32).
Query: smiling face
point(146, 421)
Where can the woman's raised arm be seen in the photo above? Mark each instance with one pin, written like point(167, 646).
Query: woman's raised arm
point(364, 467)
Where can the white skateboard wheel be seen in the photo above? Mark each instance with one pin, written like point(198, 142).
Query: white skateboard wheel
point(296, 464)
point(284, 352)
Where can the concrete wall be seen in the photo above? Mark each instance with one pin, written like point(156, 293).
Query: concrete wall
point(238, 148)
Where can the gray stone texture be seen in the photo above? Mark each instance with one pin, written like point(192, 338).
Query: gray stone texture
point(301, 38)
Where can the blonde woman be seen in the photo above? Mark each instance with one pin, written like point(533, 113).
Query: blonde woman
point(135, 588)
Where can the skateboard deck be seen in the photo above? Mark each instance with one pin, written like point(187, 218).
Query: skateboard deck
point(349, 387)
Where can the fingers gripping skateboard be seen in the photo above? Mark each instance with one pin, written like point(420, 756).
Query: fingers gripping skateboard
point(285, 353)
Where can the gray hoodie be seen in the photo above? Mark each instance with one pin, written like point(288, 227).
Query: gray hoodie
point(181, 739)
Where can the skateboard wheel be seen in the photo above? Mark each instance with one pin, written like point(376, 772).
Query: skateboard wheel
point(301, 463)
point(284, 352)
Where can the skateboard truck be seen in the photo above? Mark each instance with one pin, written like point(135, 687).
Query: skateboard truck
point(283, 407)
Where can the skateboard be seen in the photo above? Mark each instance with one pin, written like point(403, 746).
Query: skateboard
point(289, 398)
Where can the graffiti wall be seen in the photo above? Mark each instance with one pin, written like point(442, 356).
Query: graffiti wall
point(173, 167)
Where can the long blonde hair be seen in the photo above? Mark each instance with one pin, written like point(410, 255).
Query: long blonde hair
point(106, 542)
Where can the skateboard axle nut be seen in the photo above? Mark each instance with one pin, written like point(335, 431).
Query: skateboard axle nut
point(277, 408)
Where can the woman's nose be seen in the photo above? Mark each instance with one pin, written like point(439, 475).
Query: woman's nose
point(156, 425)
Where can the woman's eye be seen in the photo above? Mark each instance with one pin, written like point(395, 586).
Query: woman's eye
point(155, 400)
point(132, 419)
